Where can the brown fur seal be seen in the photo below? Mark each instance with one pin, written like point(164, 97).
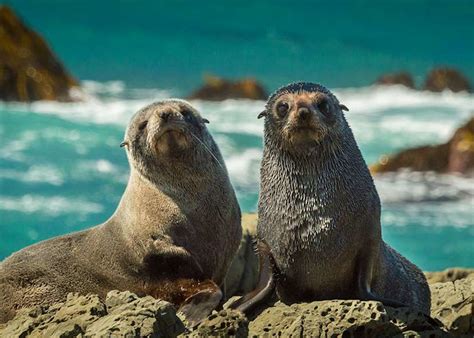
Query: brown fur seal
point(319, 211)
point(174, 233)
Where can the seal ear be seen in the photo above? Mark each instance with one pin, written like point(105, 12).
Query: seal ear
point(343, 107)
point(124, 143)
point(205, 120)
point(262, 114)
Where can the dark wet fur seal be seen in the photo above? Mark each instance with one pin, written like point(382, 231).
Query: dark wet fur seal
point(173, 235)
point(319, 211)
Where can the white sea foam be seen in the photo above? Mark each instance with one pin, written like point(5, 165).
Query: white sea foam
point(384, 119)
point(35, 174)
point(52, 206)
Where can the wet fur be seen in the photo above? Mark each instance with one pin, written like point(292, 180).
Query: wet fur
point(319, 212)
point(178, 219)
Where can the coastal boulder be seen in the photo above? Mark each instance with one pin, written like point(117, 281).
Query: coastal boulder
point(341, 318)
point(401, 78)
point(452, 304)
point(29, 70)
point(440, 79)
point(448, 275)
point(455, 156)
point(218, 89)
point(121, 314)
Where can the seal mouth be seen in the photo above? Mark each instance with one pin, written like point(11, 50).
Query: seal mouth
point(170, 136)
point(170, 128)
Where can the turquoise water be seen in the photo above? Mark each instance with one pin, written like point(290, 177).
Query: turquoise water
point(61, 169)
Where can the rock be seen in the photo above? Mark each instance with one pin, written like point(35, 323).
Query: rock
point(122, 314)
point(218, 89)
point(452, 304)
point(341, 318)
point(455, 156)
point(401, 78)
point(440, 79)
point(226, 323)
point(243, 272)
point(448, 275)
point(29, 70)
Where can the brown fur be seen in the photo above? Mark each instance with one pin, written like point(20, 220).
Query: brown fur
point(178, 220)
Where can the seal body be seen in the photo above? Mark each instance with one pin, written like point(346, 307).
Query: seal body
point(176, 228)
point(319, 211)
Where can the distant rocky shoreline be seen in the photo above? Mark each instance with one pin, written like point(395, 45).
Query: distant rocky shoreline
point(30, 71)
point(126, 314)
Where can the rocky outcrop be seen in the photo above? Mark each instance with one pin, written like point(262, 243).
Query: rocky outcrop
point(401, 78)
point(218, 89)
point(121, 314)
point(125, 314)
point(341, 318)
point(448, 275)
point(452, 304)
point(455, 156)
point(29, 70)
point(440, 79)
point(226, 323)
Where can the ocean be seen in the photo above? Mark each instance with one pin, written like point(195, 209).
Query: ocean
point(61, 167)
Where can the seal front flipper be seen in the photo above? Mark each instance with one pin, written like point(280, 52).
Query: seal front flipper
point(198, 306)
point(365, 266)
point(266, 282)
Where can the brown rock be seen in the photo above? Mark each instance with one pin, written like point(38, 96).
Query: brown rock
point(448, 275)
point(401, 78)
point(226, 323)
point(123, 314)
point(455, 156)
point(218, 89)
point(29, 70)
point(440, 79)
point(452, 304)
point(341, 318)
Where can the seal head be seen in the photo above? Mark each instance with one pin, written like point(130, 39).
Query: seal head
point(302, 115)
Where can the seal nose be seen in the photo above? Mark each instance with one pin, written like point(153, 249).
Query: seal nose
point(165, 115)
point(303, 113)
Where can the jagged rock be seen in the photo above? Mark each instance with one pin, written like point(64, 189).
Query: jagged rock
point(243, 272)
point(122, 314)
point(29, 70)
point(226, 323)
point(218, 89)
point(452, 304)
point(455, 156)
point(448, 275)
point(401, 78)
point(340, 318)
point(440, 79)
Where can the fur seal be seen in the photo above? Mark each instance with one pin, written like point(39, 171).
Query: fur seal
point(319, 233)
point(172, 236)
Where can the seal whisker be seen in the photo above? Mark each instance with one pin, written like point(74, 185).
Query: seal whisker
point(206, 148)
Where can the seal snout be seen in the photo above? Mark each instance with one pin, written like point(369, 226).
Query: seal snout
point(165, 115)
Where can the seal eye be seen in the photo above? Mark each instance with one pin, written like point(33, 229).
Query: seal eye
point(142, 125)
point(188, 116)
point(282, 109)
point(323, 107)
